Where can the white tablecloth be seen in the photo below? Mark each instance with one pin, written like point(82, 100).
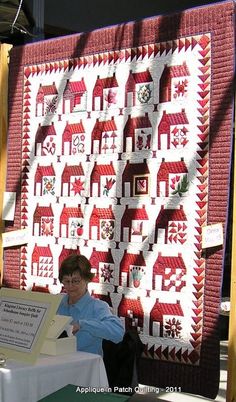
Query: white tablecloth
point(20, 382)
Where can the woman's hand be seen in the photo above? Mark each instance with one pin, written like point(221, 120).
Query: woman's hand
point(75, 328)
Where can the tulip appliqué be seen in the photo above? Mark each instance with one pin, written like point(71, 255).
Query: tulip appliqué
point(179, 185)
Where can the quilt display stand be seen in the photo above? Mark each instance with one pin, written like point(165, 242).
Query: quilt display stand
point(119, 148)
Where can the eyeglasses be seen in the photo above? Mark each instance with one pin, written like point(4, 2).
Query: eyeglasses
point(73, 282)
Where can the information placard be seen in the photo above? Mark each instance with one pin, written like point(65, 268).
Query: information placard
point(25, 318)
point(15, 238)
point(212, 235)
point(9, 205)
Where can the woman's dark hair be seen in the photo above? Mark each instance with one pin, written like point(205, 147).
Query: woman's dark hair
point(76, 263)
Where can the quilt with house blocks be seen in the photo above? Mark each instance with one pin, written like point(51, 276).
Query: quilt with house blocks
point(114, 152)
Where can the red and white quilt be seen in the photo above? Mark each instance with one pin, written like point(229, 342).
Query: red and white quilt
point(115, 163)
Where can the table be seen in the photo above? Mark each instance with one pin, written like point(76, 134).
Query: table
point(21, 382)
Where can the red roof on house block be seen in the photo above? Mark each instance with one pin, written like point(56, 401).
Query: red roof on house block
point(167, 168)
point(101, 256)
point(42, 171)
point(172, 262)
point(103, 126)
point(127, 304)
point(134, 123)
point(48, 89)
point(175, 71)
point(131, 214)
point(70, 129)
point(161, 309)
point(101, 213)
point(133, 169)
point(131, 259)
point(102, 170)
point(42, 211)
point(168, 214)
point(137, 78)
point(70, 212)
point(43, 132)
point(171, 119)
point(75, 86)
point(108, 82)
point(73, 170)
point(40, 251)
